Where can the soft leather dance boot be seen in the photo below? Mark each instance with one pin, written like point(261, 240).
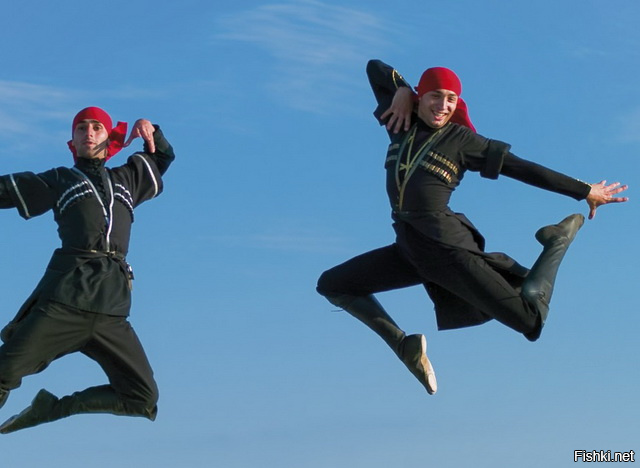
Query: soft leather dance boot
point(33, 415)
point(46, 407)
point(413, 352)
point(537, 287)
point(412, 349)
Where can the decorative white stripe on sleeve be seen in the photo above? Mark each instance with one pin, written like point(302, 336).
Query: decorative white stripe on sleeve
point(24, 205)
point(153, 177)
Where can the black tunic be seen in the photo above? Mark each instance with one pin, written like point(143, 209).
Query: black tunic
point(420, 201)
point(93, 207)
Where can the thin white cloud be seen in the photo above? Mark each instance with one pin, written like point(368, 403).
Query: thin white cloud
point(31, 118)
point(298, 243)
point(18, 92)
point(316, 48)
point(286, 241)
point(34, 116)
point(25, 106)
point(584, 52)
point(630, 127)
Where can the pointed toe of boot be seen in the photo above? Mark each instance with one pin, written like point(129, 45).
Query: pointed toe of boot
point(32, 415)
point(567, 228)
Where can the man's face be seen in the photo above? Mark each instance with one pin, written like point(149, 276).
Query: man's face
point(436, 107)
point(90, 139)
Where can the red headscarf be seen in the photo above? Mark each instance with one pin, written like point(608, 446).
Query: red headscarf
point(443, 78)
point(116, 135)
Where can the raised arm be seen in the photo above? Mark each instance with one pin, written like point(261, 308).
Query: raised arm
point(144, 129)
point(400, 111)
point(155, 144)
point(395, 98)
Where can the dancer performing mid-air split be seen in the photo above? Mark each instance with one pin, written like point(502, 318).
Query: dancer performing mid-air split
point(82, 302)
point(433, 143)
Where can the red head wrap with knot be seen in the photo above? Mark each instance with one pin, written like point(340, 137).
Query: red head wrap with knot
point(443, 78)
point(116, 135)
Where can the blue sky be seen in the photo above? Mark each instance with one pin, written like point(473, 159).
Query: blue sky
point(279, 176)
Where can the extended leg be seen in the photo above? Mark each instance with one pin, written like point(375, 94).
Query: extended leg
point(350, 287)
point(538, 286)
point(473, 280)
point(369, 311)
point(46, 333)
point(412, 349)
point(132, 390)
point(46, 407)
point(116, 347)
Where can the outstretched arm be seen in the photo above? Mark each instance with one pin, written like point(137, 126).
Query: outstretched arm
point(30, 193)
point(5, 198)
point(540, 176)
point(602, 194)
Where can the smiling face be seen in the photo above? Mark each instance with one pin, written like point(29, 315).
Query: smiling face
point(436, 107)
point(90, 139)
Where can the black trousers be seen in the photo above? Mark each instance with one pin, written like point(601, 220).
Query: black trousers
point(52, 330)
point(415, 259)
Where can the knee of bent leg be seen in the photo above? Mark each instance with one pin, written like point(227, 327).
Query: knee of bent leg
point(146, 408)
point(331, 283)
point(151, 402)
point(328, 288)
point(143, 404)
point(325, 283)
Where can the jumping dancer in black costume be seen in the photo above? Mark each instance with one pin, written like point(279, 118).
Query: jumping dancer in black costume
point(82, 302)
point(429, 153)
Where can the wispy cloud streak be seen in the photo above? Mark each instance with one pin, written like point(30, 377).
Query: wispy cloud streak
point(316, 47)
point(23, 106)
point(34, 116)
point(630, 127)
point(285, 241)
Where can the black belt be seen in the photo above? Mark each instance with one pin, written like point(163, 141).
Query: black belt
point(118, 257)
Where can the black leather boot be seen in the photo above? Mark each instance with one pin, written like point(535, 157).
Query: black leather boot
point(46, 407)
point(36, 413)
point(412, 349)
point(537, 287)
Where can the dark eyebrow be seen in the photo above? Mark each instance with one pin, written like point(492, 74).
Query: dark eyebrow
point(437, 92)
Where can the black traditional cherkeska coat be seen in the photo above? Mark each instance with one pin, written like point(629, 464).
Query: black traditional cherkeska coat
point(425, 165)
point(94, 209)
